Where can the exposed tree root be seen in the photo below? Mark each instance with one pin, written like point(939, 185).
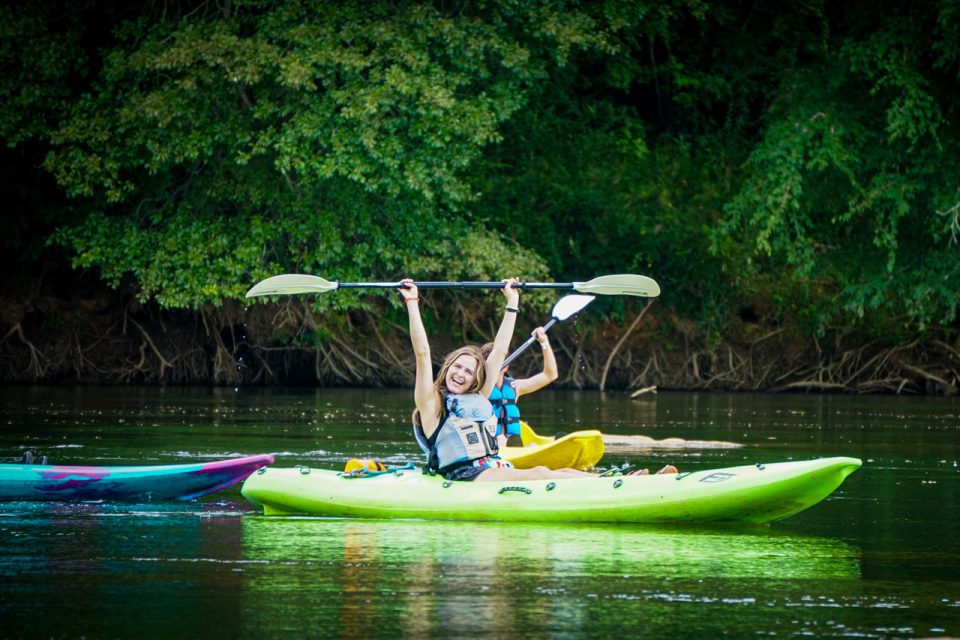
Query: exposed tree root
point(35, 368)
point(287, 343)
point(616, 347)
point(164, 363)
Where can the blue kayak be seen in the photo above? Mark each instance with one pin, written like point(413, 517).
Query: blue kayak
point(158, 482)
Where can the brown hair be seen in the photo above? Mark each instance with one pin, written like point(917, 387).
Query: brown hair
point(486, 350)
point(440, 382)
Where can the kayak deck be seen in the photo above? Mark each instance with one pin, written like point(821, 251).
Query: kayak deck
point(756, 493)
point(156, 482)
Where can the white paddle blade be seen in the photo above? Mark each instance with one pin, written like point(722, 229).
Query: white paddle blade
point(571, 305)
point(620, 285)
point(290, 283)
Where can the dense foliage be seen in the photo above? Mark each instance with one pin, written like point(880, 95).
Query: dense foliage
point(795, 164)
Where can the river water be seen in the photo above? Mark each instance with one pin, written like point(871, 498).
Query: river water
point(878, 559)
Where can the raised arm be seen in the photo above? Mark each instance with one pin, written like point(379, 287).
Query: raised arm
point(424, 395)
point(502, 342)
point(549, 373)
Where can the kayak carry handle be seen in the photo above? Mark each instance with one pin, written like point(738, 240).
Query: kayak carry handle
point(520, 489)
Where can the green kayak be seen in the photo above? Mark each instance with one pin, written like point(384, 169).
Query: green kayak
point(755, 493)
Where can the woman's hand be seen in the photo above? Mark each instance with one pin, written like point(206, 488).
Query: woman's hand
point(512, 295)
point(541, 336)
point(409, 291)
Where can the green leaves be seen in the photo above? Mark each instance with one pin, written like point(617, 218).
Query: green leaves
point(329, 125)
point(42, 52)
point(801, 162)
point(845, 182)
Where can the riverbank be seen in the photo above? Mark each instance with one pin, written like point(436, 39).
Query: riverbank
point(88, 334)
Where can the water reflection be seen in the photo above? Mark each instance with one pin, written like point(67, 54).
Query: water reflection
point(453, 577)
point(218, 570)
point(101, 569)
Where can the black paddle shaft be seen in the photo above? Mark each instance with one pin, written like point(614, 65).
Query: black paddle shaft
point(457, 285)
point(523, 347)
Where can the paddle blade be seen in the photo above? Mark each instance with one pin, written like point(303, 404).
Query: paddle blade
point(290, 283)
point(620, 285)
point(569, 306)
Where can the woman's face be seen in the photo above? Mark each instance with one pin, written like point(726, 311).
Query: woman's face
point(461, 374)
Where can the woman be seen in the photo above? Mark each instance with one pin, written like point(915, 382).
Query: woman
point(507, 390)
point(454, 421)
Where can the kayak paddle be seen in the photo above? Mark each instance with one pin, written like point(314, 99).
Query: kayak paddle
point(566, 308)
point(612, 285)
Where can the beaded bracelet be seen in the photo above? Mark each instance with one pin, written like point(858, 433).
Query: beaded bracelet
point(513, 309)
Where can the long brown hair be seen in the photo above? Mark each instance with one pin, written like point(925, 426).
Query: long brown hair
point(440, 382)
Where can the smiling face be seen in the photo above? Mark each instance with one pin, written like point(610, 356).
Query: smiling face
point(461, 376)
point(462, 372)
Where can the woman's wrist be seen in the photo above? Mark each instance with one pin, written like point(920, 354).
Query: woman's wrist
point(406, 300)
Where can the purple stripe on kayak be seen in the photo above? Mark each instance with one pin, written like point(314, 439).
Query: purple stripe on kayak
point(77, 478)
point(58, 473)
point(230, 472)
point(254, 461)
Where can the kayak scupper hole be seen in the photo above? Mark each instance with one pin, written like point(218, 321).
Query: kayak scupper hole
point(551, 486)
point(760, 466)
point(617, 483)
point(446, 484)
point(304, 470)
point(261, 471)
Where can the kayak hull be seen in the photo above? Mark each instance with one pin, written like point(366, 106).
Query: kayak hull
point(577, 450)
point(31, 482)
point(756, 493)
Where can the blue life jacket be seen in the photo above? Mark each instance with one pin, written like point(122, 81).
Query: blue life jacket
point(504, 401)
point(467, 432)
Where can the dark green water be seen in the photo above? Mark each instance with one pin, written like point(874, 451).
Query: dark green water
point(878, 559)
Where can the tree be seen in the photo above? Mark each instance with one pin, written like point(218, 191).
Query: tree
point(850, 195)
point(215, 147)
